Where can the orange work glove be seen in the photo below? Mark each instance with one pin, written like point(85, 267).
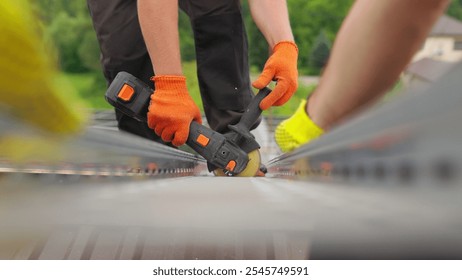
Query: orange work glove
point(172, 110)
point(281, 67)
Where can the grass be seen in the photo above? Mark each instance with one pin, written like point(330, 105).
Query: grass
point(189, 70)
point(289, 108)
point(394, 91)
point(90, 87)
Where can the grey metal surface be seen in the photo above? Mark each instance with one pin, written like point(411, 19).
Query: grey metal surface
point(184, 218)
point(227, 218)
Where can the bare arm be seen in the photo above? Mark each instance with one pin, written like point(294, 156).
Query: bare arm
point(376, 41)
point(171, 108)
point(159, 24)
point(272, 18)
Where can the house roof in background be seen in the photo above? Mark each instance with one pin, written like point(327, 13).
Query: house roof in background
point(447, 25)
point(429, 69)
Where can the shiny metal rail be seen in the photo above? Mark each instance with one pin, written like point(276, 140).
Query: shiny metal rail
point(413, 140)
point(96, 152)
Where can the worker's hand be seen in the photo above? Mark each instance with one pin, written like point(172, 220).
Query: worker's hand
point(281, 67)
point(172, 110)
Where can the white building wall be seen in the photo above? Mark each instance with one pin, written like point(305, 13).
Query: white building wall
point(440, 48)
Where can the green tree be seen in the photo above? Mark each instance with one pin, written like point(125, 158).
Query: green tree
point(67, 32)
point(308, 19)
point(319, 53)
point(258, 47)
point(455, 9)
point(67, 26)
point(48, 10)
point(188, 52)
point(88, 51)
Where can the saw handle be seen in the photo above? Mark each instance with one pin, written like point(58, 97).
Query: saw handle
point(253, 111)
point(216, 149)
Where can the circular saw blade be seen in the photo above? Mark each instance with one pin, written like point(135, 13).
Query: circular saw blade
point(252, 168)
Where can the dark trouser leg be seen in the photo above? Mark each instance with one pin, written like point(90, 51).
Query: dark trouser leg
point(122, 49)
point(222, 59)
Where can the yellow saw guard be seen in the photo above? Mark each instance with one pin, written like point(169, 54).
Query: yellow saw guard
point(252, 168)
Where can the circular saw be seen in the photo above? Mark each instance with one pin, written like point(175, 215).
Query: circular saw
point(235, 153)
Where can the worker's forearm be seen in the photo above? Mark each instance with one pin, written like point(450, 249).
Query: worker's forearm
point(272, 18)
point(159, 24)
point(375, 43)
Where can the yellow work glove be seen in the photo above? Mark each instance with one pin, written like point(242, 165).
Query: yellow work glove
point(281, 67)
point(297, 130)
point(172, 109)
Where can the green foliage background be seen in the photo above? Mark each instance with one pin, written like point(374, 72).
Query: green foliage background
point(67, 26)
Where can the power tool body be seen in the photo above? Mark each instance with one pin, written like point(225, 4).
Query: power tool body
point(235, 153)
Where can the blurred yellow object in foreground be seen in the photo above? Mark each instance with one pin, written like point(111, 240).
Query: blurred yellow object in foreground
point(28, 89)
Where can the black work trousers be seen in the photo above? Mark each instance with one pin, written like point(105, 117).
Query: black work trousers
point(221, 52)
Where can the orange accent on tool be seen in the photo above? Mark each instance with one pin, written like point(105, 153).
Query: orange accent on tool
point(231, 165)
point(202, 140)
point(126, 93)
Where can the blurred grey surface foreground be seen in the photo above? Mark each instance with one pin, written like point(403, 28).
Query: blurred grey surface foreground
point(228, 218)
